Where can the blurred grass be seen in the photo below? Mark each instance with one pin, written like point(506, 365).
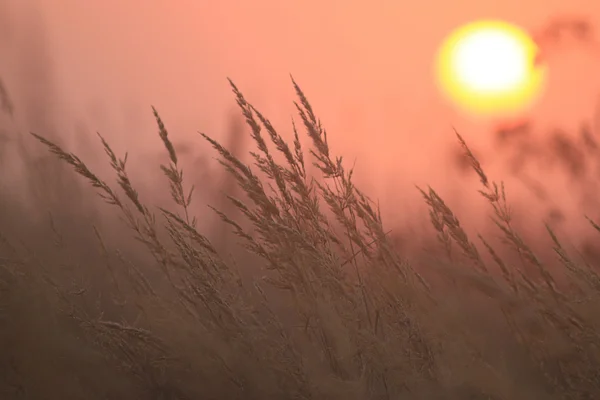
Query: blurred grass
point(317, 302)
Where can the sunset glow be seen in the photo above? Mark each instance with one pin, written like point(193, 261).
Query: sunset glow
point(488, 68)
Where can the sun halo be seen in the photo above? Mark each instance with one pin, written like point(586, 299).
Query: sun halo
point(488, 68)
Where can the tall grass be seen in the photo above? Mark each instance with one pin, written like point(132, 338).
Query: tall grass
point(318, 303)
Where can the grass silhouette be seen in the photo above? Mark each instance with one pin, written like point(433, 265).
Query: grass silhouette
point(317, 302)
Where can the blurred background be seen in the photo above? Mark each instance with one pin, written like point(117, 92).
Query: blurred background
point(71, 68)
point(74, 68)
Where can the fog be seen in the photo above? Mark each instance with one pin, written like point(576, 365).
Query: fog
point(74, 67)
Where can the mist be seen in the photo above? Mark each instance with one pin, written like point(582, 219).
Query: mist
point(94, 304)
point(74, 69)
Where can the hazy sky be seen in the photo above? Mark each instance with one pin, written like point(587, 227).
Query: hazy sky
point(365, 65)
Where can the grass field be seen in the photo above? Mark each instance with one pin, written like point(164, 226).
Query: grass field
point(317, 301)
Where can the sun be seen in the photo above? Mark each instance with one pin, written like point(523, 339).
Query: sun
point(489, 68)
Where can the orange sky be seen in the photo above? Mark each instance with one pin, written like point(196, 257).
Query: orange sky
point(365, 65)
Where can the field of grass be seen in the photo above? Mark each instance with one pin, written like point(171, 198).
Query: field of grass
point(317, 301)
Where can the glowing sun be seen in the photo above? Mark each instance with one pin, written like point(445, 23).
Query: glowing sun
point(488, 68)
